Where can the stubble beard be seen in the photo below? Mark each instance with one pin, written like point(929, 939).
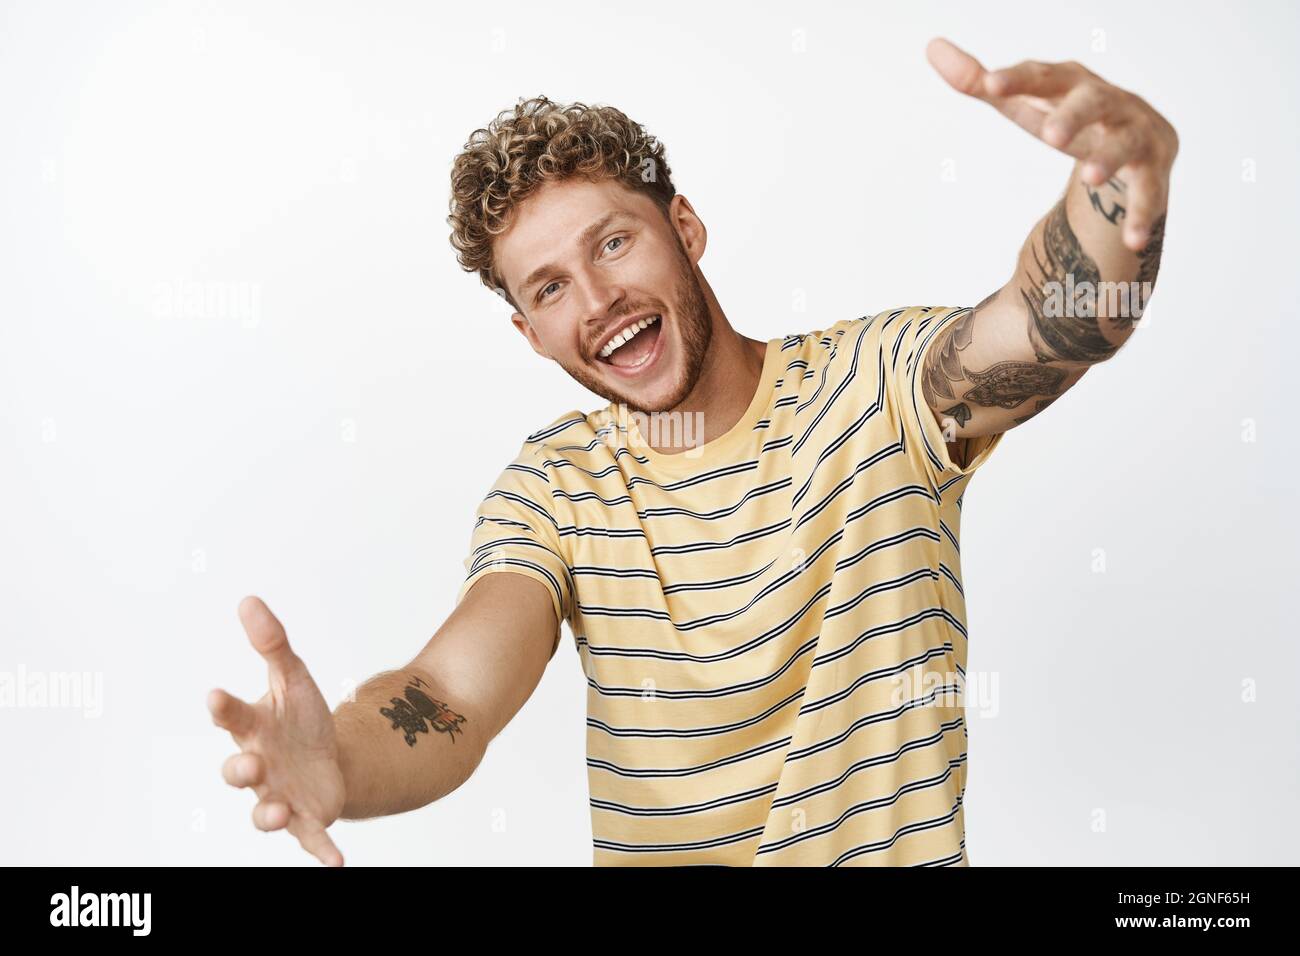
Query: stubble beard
point(695, 328)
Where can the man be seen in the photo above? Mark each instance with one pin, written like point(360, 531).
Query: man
point(755, 542)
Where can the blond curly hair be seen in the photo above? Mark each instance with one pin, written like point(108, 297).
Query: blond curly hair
point(535, 142)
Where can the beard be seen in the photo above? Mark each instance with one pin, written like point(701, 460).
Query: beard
point(694, 327)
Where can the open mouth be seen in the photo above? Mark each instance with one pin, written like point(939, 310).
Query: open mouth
point(635, 348)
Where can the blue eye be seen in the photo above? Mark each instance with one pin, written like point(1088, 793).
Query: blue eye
point(542, 293)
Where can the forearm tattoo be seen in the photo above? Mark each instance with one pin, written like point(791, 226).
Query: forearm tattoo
point(416, 712)
point(1061, 327)
point(1060, 300)
point(1149, 257)
point(1116, 212)
point(1112, 210)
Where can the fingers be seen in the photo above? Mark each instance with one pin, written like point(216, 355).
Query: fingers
point(1022, 111)
point(1108, 155)
point(1147, 200)
point(959, 69)
point(315, 840)
point(1026, 93)
point(230, 713)
point(271, 815)
point(266, 634)
point(1085, 104)
point(1035, 78)
point(244, 770)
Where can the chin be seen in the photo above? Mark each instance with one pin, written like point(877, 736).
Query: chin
point(654, 396)
point(654, 387)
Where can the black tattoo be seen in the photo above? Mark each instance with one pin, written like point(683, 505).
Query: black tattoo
point(958, 413)
point(1148, 266)
point(1038, 407)
point(1116, 211)
point(1008, 384)
point(410, 714)
point(945, 365)
point(1002, 385)
point(1074, 334)
point(1149, 257)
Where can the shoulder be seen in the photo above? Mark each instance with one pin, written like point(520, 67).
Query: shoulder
point(905, 331)
point(565, 433)
point(892, 340)
point(885, 323)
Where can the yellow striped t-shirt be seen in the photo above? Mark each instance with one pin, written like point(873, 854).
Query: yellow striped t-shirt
point(772, 625)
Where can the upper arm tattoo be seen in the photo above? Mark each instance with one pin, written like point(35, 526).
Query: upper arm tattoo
point(1009, 384)
point(943, 368)
point(948, 383)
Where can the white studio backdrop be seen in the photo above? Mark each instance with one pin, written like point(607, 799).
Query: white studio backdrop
point(237, 356)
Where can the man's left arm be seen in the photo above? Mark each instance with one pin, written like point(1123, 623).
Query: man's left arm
point(1087, 269)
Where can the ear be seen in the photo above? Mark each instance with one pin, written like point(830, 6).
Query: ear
point(526, 330)
point(691, 234)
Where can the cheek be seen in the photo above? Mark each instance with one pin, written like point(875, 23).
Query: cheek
point(551, 345)
point(564, 346)
point(561, 344)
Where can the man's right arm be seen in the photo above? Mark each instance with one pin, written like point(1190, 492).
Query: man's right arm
point(413, 735)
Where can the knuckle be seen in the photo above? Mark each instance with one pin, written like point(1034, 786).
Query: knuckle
point(1137, 136)
point(1170, 134)
point(1140, 106)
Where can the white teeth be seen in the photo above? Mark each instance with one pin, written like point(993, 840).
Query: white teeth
point(627, 335)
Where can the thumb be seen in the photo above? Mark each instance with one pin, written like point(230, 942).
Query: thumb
point(960, 70)
point(266, 634)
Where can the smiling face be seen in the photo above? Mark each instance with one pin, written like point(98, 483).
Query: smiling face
point(597, 264)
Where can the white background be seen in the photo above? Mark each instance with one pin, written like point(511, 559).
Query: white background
point(325, 447)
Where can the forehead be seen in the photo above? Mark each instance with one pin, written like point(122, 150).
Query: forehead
point(545, 228)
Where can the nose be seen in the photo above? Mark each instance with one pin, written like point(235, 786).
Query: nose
point(599, 316)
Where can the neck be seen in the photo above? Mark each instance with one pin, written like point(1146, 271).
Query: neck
point(729, 377)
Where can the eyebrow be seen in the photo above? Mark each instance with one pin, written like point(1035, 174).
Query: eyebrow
point(584, 239)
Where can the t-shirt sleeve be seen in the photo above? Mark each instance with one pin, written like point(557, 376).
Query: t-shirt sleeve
point(906, 335)
point(515, 530)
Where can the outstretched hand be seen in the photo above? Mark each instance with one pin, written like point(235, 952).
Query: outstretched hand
point(1114, 132)
point(288, 750)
